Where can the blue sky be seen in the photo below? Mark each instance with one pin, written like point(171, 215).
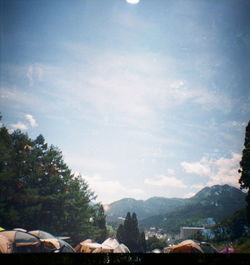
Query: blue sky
point(147, 99)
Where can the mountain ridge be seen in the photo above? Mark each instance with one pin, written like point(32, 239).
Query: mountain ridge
point(217, 202)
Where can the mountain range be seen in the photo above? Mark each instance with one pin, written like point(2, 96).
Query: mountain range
point(211, 204)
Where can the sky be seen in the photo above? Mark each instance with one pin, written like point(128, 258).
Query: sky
point(143, 99)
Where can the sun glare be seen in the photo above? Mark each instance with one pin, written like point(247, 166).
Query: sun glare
point(133, 1)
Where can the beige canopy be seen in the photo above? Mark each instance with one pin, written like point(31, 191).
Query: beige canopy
point(5, 245)
point(17, 241)
point(187, 246)
point(110, 245)
point(89, 246)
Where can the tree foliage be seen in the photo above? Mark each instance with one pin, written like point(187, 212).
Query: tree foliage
point(155, 243)
point(245, 170)
point(39, 191)
point(129, 234)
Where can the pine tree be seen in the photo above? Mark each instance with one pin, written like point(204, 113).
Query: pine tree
point(100, 223)
point(245, 170)
point(129, 234)
point(143, 243)
point(39, 191)
point(120, 233)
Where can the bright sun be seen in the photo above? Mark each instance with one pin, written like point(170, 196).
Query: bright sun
point(133, 1)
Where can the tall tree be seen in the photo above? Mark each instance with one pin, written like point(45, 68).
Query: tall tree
point(245, 170)
point(129, 234)
point(99, 222)
point(39, 191)
point(120, 233)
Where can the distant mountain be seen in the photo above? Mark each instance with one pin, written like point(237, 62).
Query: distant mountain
point(143, 209)
point(211, 203)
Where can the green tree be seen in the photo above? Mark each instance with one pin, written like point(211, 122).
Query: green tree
point(39, 191)
point(99, 222)
point(120, 233)
point(245, 170)
point(143, 242)
point(154, 242)
point(129, 234)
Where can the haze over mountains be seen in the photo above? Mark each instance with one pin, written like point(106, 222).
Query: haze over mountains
point(211, 203)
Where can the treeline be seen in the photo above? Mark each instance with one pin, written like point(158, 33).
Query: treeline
point(39, 191)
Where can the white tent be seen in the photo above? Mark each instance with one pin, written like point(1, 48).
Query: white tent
point(121, 249)
point(110, 245)
point(115, 245)
point(111, 242)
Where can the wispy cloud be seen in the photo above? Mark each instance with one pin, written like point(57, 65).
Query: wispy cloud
point(31, 120)
point(34, 73)
point(110, 190)
point(216, 171)
point(116, 86)
point(201, 167)
point(131, 88)
point(19, 125)
point(167, 180)
point(86, 164)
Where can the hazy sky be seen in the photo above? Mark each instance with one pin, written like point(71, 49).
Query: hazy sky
point(146, 99)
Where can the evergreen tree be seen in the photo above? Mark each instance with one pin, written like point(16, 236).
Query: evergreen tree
point(135, 233)
point(39, 191)
point(120, 233)
point(99, 222)
point(143, 243)
point(245, 170)
point(129, 234)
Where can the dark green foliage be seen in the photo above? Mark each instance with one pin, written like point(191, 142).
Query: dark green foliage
point(235, 227)
point(129, 234)
point(218, 202)
point(39, 191)
point(155, 243)
point(245, 170)
point(99, 222)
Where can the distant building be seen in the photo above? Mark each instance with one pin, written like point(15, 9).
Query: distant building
point(153, 231)
point(186, 232)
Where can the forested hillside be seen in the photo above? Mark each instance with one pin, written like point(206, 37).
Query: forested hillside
point(217, 202)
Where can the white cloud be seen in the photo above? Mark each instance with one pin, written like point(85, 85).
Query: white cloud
point(31, 120)
point(198, 186)
point(189, 195)
point(34, 73)
point(130, 88)
point(220, 171)
point(201, 168)
point(29, 75)
point(227, 171)
point(19, 125)
point(85, 164)
point(110, 190)
point(165, 181)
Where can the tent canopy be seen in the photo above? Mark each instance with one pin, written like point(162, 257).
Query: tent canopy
point(16, 241)
point(187, 246)
point(41, 234)
point(5, 245)
point(51, 242)
point(110, 245)
point(20, 238)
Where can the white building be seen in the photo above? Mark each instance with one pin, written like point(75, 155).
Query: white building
point(186, 232)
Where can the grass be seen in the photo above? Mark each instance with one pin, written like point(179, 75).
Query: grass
point(243, 246)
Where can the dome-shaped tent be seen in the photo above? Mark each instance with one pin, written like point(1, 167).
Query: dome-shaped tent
point(52, 243)
point(19, 242)
point(187, 246)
